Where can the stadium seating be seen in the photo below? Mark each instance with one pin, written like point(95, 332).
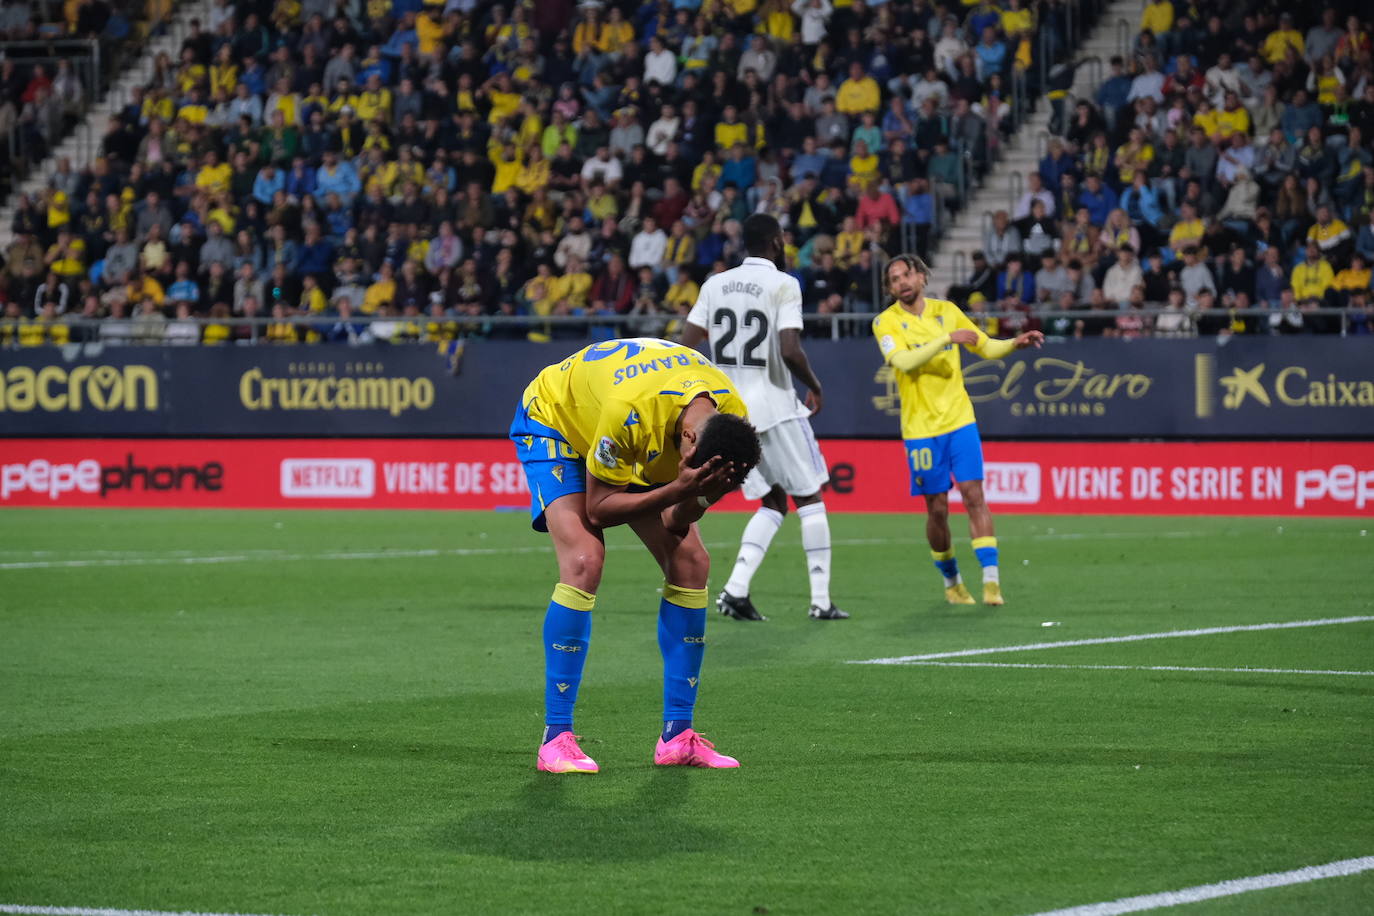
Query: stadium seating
point(420, 171)
point(1230, 150)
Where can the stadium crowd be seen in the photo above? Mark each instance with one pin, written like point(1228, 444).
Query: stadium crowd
point(1223, 170)
point(48, 68)
point(435, 164)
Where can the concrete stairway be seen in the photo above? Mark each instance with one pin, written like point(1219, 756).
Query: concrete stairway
point(83, 144)
point(1004, 182)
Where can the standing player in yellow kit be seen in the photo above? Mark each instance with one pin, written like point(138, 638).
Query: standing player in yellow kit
point(637, 432)
point(917, 337)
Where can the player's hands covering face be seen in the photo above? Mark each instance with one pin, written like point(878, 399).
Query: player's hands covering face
point(713, 479)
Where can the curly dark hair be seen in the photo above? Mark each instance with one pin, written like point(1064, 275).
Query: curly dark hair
point(733, 439)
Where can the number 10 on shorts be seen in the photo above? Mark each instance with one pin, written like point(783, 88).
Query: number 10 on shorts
point(921, 459)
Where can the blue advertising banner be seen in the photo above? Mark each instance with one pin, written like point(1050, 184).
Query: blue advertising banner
point(1272, 387)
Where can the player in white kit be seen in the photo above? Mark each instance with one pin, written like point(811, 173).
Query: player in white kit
point(752, 316)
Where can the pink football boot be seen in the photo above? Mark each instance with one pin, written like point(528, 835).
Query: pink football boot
point(691, 749)
point(562, 755)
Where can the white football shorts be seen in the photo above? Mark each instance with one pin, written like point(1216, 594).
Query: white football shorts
point(790, 459)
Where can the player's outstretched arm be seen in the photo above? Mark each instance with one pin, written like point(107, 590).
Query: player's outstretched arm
point(795, 358)
point(993, 347)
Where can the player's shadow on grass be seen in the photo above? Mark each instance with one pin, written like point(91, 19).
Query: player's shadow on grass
point(549, 811)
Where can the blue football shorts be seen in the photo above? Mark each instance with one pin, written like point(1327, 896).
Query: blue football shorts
point(932, 461)
point(553, 468)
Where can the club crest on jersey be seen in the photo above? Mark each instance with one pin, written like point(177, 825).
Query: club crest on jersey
point(606, 452)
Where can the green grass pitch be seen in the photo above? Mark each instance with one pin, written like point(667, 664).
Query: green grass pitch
point(337, 713)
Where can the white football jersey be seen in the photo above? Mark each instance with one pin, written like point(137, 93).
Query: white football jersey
point(742, 311)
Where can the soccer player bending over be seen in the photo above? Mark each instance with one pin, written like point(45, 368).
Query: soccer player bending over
point(644, 433)
point(752, 316)
point(917, 337)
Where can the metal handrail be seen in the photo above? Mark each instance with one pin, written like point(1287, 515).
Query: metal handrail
point(1095, 70)
point(959, 265)
point(1150, 310)
point(1016, 186)
point(1123, 38)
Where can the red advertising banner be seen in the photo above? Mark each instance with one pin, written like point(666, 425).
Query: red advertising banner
point(1204, 478)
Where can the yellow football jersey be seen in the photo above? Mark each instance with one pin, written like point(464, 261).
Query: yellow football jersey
point(618, 403)
point(934, 401)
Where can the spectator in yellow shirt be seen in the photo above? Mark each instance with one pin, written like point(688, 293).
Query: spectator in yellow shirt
point(382, 291)
point(141, 286)
point(776, 22)
point(1234, 118)
point(195, 110)
point(575, 284)
point(682, 295)
point(66, 257)
point(849, 241)
point(1187, 232)
point(863, 166)
point(506, 159)
point(429, 30)
point(859, 93)
point(1134, 155)
point(1017, 21)
point(587, 32)
point(706, 168)
point(1353, 279)
point(1313, 277)
point(615, 34)
point(730, 130)
point(679, 251)
point(1157, 18)
point(504, 100)
point(214, 175)
point(224, 73)
point(1276, 45)
point(534, 172)
point(539, 290)
point(1331, 235)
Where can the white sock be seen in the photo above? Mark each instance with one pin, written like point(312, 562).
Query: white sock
point(815, 532)
point(758, 534)
point(950, 583)
point(990, 574)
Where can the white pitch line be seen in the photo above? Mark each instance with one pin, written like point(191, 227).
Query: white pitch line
point(96, 558)
point(1104, 640)
point(1139, 668)
point(1340, 869)
point(100, 911)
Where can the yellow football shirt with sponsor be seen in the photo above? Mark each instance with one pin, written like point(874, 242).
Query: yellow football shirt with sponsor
point(618, 402)
point(934, 400)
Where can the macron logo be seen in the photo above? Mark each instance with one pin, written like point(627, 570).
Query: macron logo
point(328, 478)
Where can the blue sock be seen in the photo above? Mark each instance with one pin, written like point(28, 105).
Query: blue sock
point(567, 633)
point(675, 727)
point(986, 551)
point(946, 564)
point(682, 640)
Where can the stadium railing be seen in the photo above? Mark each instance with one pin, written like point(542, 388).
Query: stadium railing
point(1056, 324)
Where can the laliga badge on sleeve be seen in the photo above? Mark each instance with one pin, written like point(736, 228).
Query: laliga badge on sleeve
point(606, 452)
point(887, 344)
